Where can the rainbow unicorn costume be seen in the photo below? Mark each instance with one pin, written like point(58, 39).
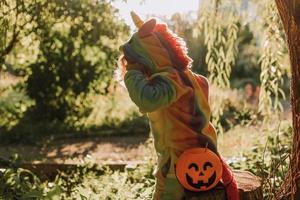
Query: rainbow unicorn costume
point(174, 98)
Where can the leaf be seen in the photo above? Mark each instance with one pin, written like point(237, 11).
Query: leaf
point(32, 194)
point(54, 193)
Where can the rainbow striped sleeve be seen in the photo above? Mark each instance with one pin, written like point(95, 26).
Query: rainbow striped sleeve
point(149, 95)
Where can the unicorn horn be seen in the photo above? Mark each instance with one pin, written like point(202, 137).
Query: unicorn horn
point(136, 19)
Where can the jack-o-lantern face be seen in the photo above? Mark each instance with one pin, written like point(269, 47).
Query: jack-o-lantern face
point(199, 169)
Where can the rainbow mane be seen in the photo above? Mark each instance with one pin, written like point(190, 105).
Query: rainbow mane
point(176, 44)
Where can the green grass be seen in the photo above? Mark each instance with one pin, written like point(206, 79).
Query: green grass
point(265, 152)
point(85, 182)
point(91, 182)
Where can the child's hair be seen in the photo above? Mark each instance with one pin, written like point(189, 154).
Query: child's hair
point(121, 67)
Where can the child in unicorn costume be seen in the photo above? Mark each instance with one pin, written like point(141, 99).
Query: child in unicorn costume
point(156, 73)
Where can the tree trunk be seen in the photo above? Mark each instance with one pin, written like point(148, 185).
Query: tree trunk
point(289, 11)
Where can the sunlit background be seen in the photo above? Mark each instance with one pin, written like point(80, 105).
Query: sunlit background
point(155, 7)
point(167, 8)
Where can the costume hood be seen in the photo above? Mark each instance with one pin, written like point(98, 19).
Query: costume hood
point(155, 46)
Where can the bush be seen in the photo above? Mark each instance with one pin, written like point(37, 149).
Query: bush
point(84, 182)
point(78, 47)
point(18, 183)
point(13, 105)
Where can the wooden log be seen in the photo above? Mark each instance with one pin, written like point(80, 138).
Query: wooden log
point(249, 187)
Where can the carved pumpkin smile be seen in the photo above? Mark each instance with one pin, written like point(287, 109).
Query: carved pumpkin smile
point(198, 169)
point(202, 180)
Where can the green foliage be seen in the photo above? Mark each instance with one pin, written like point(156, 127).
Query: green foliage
point(84, 182)
point(185, 26)
point(17, 19)
point(132, 184)
point(246, 68)
point(18, 183)
point(71, 47)
point(236, 115)
point(67, 52)
point(221, 42)
point(271, 63)
point(270, 162)
point(112, 114)
point(245, 65)
point(235, 109)
point(78, 47)
point(13, 105)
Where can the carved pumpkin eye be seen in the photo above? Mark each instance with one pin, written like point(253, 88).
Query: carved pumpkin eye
point(206, 165)
point(198, 169)
point(194, 165)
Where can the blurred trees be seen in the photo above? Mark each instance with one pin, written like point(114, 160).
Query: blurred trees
point(271, 62)
point(220, 40)
point(79, 42)
point(221, 43)
point(185, 26)
point(70, 47)
point(17, 19)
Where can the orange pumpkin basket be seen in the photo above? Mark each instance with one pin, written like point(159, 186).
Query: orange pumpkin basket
point(198, 169)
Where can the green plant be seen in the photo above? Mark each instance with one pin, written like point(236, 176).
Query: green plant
point(87, 181)
point(13, 105)
point(17, 20)
point(78, 47)
point(128, 185)
point(270, 162)
point(271, 63)
point(18, 183)
point(235, 113)
point(246, 68)
point(221, 42)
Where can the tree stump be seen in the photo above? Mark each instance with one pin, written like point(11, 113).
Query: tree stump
point(249, 186)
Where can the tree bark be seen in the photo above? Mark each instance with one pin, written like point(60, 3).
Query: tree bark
point(289, 11)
